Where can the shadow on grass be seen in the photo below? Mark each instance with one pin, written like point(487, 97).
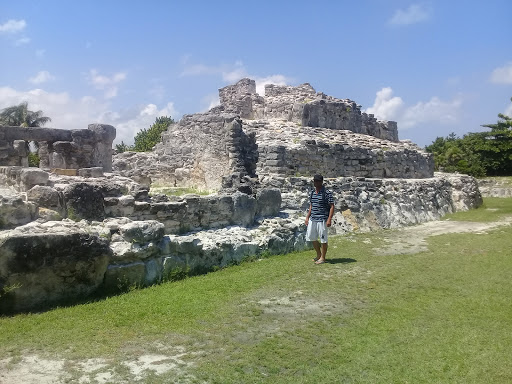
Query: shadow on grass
point(340, 260)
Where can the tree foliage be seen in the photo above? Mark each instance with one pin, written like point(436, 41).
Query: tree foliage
point(146, 139)
point(20, 116)
point(477, 154)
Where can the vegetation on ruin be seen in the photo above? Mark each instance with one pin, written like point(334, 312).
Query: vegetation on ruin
point(176, 191)
point(478, 154)
point(439, 316)
point(146, 139)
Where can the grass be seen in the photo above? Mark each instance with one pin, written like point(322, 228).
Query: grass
point(441, 316)
point(493, 208)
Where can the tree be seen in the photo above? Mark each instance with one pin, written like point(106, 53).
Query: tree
point(120, 148)
point(20, 116)
point(477, 154)
point(146, 139)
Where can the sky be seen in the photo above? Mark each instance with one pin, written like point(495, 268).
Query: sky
point(434, 67)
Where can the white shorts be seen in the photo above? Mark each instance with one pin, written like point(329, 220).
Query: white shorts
point(316, 230)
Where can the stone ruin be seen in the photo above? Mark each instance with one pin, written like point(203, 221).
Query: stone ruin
point(292, 131)
point(65, 236)
point(59, 148)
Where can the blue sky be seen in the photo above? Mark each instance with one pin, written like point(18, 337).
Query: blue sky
point(435, 67)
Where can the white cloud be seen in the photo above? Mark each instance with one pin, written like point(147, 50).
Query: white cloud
point(41, 77)
point(434, 110)
point(502, 75)
point(40, 53)
point(13, 26)
point(387, 107)
point(68, 113)
point(105, 83)
point(416, 13)
point(234, 74)
point(21, 41)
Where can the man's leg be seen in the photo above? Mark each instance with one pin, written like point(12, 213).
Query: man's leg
point(323, 237)
point(316, 245)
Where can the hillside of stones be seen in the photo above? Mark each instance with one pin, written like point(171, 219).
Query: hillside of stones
point(82, 224)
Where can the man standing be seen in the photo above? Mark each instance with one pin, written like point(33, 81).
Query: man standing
point(321, 209)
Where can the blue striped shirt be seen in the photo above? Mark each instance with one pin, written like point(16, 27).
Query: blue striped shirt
point(318, 207)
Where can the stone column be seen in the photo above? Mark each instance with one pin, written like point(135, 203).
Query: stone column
point(44, 155)
point(102, 152)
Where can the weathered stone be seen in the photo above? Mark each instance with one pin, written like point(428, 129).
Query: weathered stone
point(49, 268)
point(46, 197)
point(15, 211)
point(268, 202)
point(142, 231)
point(33, 176)
point(84, 201)
point(91, 172)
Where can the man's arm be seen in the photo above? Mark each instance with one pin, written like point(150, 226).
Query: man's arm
point(308, 214)
point(331, 212)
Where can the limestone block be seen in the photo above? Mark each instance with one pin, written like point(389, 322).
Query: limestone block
point(91, 172)
point(172, 264)
point(46, 197)
point(244, 209)
point(123, 277)
point(15, 211)
point(64, 172)
point(30, 177)
point(84, 201)
point(268, 202)
point(142, 231)
point(50, 267)
point(153, 272)
point(46, 214)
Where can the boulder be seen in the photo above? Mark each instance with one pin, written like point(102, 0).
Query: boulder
point(142, 231)
point(84, 201)
point(15, 211)
point(47, 268)
point(32, 176)
point(268, 202)
point(46, 197)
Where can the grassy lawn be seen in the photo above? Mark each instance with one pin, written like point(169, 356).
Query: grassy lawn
point(441, 316)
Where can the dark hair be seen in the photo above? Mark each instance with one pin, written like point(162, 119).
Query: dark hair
point(318, 178)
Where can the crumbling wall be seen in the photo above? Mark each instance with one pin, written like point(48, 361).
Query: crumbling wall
point(59, 148)
point(196, 152)
point(303, 105)
point(291, 150)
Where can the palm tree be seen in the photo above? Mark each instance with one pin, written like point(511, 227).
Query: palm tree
point(20, 116)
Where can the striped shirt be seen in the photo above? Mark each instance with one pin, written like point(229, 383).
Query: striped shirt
point(319, 211)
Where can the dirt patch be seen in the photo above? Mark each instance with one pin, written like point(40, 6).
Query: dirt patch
point(412, 240)
point(31, 369)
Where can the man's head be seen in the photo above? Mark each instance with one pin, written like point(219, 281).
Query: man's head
point(318, 180)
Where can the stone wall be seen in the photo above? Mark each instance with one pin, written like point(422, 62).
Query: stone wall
point(495, 187)
point(45, 263)
point(303, 105)
point(291, 150)
point(197, 152)
point(59, 148)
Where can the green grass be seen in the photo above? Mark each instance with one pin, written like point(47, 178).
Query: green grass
point(441, 316)
point(493, 208)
